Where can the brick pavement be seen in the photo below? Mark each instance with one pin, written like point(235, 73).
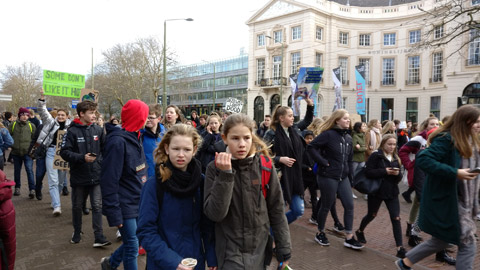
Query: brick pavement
point(43, 241)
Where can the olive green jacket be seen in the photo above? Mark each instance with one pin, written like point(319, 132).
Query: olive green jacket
point(22, 134)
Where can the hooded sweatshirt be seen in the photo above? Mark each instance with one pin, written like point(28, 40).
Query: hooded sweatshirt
point(124, 167)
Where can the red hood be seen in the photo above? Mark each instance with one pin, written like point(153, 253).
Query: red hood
point(77, 121)
point(134, 115)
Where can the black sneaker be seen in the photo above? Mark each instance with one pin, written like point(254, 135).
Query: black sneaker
point(321, 239)
point(86, 211)
point(338, 227)
point(406, 197)
point(76, 238)
point(313, 221)
point(414, 240)
point(65, 191)
point(105, 263)
point(101, 242)
point(38, 195)
point(399, 264)
point(31, 194)
point(401, 253)
point(16, 192)
point(361, 237)
point(352, 243)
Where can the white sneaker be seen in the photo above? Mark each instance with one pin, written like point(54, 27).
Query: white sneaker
point(478, 217)
point(354, 196)
point(119, 235)
point(365, 196)
point(57, 211)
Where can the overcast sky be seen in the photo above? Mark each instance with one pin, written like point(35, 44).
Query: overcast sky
point(59, 34)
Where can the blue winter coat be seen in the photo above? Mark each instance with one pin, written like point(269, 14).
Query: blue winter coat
point(150, 143)
point(124, 171)
point(179, 230)
point(5, 140)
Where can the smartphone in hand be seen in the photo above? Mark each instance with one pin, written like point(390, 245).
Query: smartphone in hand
point(92, 154)
point(475, 170)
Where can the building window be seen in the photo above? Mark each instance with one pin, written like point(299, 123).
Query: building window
point(343, 38)
point(364, 40)
point(295, 62)
point(278, 36)
point(388, 71)
point(260, 69)
point(344, 103)
point(296, 33)
point(319, 33)
point(413, 70)
point(474, 47)
point(415, 36)
point(387, 109)
point(435, 106)
point(412, 109)
point(389, 39)
point(318, 59)
point(475, 2)
point(437, 67)
point(343, 63)
point(438, 32)
point(261, 40)
point(277, 64)
point(366, 63)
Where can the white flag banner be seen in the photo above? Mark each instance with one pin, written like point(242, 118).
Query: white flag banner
point(338, 88)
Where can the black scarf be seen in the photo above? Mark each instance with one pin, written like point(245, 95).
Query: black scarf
point(183, 183)
point(291, 146)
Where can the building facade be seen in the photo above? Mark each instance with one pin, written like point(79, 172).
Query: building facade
point(200, 86)
point(403, 81)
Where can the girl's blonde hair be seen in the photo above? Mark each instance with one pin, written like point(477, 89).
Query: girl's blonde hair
point(279, 111)
point(385, 138)
point(460, 128)
point(215, 115)
point(315, 126)
point(372, 123)
point(332, 120)
point(386, 128)
point(425, 123)
point(258, 146)
point(178, 112)
point(160, 154)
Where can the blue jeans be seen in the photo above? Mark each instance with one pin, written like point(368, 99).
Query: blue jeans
point(17, 165)
point(40, 171)
point(297, 207)
point(55, 178)
point(128, 251)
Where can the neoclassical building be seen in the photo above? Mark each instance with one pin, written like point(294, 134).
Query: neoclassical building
point(402, 82)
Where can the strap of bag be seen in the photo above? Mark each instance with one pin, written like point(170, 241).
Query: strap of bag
point(266, 165)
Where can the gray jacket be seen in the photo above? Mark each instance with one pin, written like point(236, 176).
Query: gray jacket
point(50, 125)
point(243, 217)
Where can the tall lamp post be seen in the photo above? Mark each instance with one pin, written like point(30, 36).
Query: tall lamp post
point(281, 73)
point(164, 99)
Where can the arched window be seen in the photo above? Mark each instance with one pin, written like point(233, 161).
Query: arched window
point(259, 109)
point(274, 102)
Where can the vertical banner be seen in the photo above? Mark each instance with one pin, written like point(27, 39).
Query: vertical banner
point(361, 91)
point(305, 84)
point(336, 73)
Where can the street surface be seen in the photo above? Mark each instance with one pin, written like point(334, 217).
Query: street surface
point(43, 241)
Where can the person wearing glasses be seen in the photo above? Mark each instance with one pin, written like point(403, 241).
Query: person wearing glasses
point(152, 134)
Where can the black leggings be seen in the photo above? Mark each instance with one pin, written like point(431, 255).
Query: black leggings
point(393, 206)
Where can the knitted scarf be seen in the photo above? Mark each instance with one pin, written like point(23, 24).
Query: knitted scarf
point(184, 183)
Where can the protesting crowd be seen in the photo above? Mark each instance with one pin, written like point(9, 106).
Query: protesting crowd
point(219, 191)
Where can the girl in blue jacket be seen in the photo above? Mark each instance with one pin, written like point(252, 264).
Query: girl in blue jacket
point(171, 223)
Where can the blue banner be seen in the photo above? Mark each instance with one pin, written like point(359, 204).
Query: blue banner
point(305, 84)
point(361, 91)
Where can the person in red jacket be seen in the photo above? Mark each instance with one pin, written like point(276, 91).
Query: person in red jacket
point(7, 223)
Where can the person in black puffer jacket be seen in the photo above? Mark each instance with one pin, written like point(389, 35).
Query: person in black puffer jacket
point(332, 151)
point(385, 164)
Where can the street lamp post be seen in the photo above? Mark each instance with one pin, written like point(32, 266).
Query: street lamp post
point(164, 99)
point(281, 72)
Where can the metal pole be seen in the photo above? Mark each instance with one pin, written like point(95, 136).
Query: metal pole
point(281, 79)
point(93, 78)
point(213, 87)
point(164, 99)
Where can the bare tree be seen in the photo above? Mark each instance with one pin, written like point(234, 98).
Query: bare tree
point(449, 21)
point(23, 83)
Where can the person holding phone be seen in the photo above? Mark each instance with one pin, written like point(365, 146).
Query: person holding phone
point(450, 192)
point(384, 164)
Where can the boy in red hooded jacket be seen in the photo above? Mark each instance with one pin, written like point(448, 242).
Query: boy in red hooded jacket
point(7, 223)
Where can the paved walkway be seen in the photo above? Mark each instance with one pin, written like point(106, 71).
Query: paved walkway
point(43, 240)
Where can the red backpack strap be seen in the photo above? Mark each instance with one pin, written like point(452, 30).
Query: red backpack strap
point(266, 165)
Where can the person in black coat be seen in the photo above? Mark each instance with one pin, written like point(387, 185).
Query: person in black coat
point(333, 152)
point(288, 148)
point(207, 150)
point(384, 165)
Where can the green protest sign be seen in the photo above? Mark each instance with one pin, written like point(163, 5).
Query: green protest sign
point(62, 84)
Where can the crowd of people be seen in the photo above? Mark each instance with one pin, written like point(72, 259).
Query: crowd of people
point(218, 191)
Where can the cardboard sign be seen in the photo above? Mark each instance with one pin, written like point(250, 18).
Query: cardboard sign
point(233, 105)
point(58, 162)
point(62, 84)
point(355, 118)
point(89, 94)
